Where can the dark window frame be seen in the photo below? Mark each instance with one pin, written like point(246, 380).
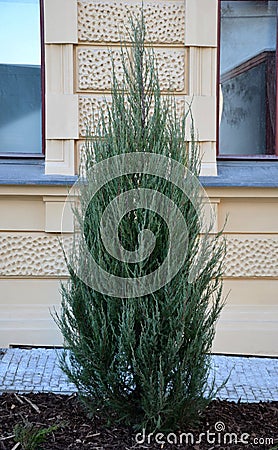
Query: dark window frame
point(232, 157)
point(41, 155)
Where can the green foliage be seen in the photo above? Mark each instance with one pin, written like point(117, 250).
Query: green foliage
point(30, 436)
point(145, 360)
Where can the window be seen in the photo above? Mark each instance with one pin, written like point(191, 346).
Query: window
point(247, 90)
point(20, 78)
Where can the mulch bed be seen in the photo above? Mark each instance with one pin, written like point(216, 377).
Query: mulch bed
point(78, 431)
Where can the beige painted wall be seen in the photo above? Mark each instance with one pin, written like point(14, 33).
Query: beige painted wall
point(78, 66)
point(184, 34)
point(31, 264)
point(249, 321)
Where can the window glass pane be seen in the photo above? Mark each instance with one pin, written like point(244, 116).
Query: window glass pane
point(20, 77)
point(248, 77)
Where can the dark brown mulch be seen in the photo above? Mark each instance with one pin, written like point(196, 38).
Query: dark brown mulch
point(78, 431)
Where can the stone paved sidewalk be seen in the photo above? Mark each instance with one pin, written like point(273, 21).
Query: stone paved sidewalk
point(37, 370)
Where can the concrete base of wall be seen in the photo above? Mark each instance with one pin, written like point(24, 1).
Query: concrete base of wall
point(247, 325)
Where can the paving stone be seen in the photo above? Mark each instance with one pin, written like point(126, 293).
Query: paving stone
point(37, 370)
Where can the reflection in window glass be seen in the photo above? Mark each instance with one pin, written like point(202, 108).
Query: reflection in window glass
point(20, 77)
point(248, 77)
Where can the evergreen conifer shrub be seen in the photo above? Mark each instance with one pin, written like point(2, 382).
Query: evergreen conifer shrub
point(137, 339)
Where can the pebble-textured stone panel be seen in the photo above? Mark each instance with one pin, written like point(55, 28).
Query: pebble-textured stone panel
point(89, 112)
point(105, 21)
point(90, 105)
point(31, 255)
point(95, 67)
point(247, 257)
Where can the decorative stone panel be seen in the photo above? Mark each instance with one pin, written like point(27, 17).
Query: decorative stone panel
point(41, 256)
point(95, 68)
point(32, 255)
point(106, 21)
point(89, 112)
point(91, 105)
point(252, 257)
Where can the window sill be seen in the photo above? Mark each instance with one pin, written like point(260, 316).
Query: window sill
point(30, 172)
point(262, 174)
point(230, 174)
point(249, 158)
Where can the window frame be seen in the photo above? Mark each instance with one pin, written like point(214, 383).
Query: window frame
point(37, 156)
point(232, 157)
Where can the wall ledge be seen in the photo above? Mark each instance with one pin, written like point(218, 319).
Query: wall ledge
point(244, 174)
point(28, 172)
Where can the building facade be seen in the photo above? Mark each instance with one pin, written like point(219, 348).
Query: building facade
point(78, 37)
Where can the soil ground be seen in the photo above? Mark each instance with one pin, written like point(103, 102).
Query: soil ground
point(76, 430)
